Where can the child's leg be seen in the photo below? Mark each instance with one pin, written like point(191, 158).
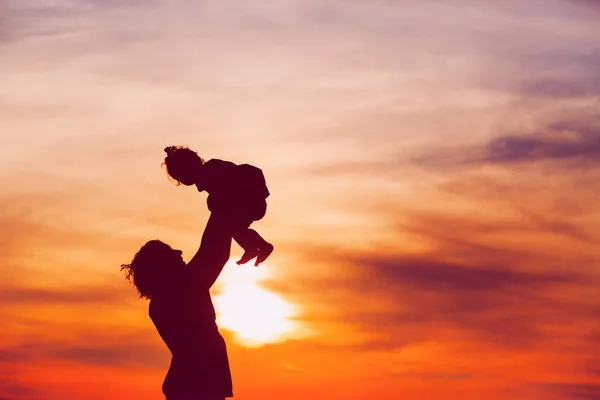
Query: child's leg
point(253, 244)
point(263, 253)
point(258, 210)
point(264, 248)
point(249, 239)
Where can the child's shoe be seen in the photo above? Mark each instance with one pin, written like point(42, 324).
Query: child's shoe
point(248, 255)
point(263, 253)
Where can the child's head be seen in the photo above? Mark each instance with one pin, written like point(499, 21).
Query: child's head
point(182, 164)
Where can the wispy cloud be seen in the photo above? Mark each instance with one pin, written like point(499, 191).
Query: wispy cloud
point(115, 351)
point(572, 138)
point(20, 295)
point(531, 148)
point(575, 391)
point(11, 390)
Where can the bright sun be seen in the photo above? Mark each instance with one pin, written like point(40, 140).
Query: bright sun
point(255, 315)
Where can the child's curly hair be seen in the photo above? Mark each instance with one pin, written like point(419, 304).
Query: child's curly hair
point(144, 267)
point(179, 160)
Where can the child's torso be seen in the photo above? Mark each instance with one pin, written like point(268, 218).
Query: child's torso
point(225, 179)
point(218, 177)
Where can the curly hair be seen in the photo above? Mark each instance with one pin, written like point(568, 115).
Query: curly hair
point(143, 269)
point(179, 161)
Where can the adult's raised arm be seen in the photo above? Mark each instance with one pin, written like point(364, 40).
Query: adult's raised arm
point(214, 251)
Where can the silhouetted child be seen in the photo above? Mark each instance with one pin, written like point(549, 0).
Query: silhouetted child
point(238, 192)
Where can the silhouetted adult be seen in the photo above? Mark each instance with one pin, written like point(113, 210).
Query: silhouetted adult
point(183, 313)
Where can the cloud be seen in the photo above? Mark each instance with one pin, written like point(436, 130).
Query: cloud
point(549, 146)
point(11, 389)
point(20, 295)
point(559, 73)
point(401, 300)
point(560, 226)
point(46, 18)
point(573, 141)
point(435, 376)
point(486, 235)
point(344, 169)
point(491, 304)
point(125, 354)
point(101, 349)
point(572, 391)
point(557, 88)
point(485, 276)
point(444, 277)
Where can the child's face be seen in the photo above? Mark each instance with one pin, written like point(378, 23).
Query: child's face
point(187, 181)
point(186, 177)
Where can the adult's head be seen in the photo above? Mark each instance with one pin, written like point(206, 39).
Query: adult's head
point(183, 164)
point(154, 268)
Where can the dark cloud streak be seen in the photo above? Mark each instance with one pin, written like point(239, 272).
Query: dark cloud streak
point(573, 391)
point(527, 148)
point(109, 350)
point(43, 296)
point(574, 139)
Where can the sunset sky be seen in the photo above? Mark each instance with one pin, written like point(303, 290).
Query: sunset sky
point(434, 169)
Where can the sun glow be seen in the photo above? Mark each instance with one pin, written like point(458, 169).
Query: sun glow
point(254, 314)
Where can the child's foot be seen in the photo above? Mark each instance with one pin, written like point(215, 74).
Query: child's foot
point(248, 255)
point(263, 254)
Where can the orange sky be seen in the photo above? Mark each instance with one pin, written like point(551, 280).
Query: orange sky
point(434, 176)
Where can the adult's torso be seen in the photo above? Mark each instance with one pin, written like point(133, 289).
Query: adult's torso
point(185, 320)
